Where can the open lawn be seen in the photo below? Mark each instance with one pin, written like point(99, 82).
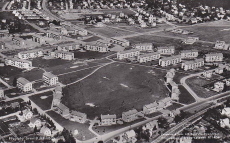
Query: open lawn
point(117, 11)
point(109, 32)
point(90, 55)
point(174, 106)
point(44, 104)
point(211, 33)
point(91, 39)
point(72, 77)
point(158, 41)
point(197, 83)
point(185, 97)
point(8, 71)
point(116, 88)
point(46, 63)
point(70, 125)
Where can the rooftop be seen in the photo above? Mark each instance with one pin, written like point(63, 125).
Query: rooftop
point(149, 54)
point(129, 51)
point(108, 116)
point(23, 80)
point(49, 74)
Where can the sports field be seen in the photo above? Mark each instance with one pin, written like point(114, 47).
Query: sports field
point(116, 88)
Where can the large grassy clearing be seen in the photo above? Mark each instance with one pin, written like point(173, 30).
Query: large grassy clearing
point(116, 88)
point(44, 104)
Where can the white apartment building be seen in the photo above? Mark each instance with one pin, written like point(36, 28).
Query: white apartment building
point(38, 39)
point(170, 50)
point(30, 54)
point(190, 40)
point(148, 57)
point(107, 120)
point(78, 116)
point(144, 46)
point(19, 63)
point(50, 79)
point(62, 55)
point(150, 108)
point(189, 54)
point(190, 65)
point(120, 41)
point(130, 115)
point(24, 85)
point(97, 47)
point(170, 60)
point(128, 54)
point(214, 57)
point(68, 47)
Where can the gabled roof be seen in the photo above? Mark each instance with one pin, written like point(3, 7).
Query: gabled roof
point(62, 107)
point(129, 51)
point(170, 58)
point(189, 51)
point(167, 47)
point(172, 83)
point(165, 100)
point(151, 105)
point(34, 119)
point(214, 54)
point(49, 75)
point(78, 114)
point(152, 124)
point(143, 44)
point(108, 116)
point(149, 54)
point(130, 112)
point(23, 80)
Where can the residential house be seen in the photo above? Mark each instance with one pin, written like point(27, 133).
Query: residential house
point(226, 112)
point(170, 50)
point(62, 55)
point(148, 57)
point(128, 54)
point(218, 86)
point(150, 108)
point(185, 139)
point(35, 122)
point(219, 70)
point(120, 41)
point(144, 46)
point(164, 103)
point(173, 85)
point(27, 114)
point(38, 39)
point(170, 60)
point(54, 35)
point(99, 47)
point(208, 74)
point(221, 45)
point(129, 137)
point(24, 85)
point(19, 63)
point(170, 75)
point(62, 109)
point(187, 65)
point(189, 54)
point(50, 78)
point(190, 40)
point(45, 131)
point(108, 120)
point(214, 57)
point(224, 123)
point(151, 125)
point(175, 94)
point(30, 54)
point(78, 116)
point(130, 115)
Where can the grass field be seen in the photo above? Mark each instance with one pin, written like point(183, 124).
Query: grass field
point(185, 97)
point(44, 104)
point(123, 85)
point(90, 55)
point(8, 71)
point(109, 32)
point(211, 33)
point(70, 125)
point(197, 84)
point(46, 63)
point(91, 39)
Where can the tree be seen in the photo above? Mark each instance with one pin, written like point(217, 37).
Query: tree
point(15, 82)
point(163, 123)
point(35, 129)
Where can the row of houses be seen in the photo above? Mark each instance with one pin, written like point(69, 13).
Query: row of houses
point(62, 55)
point(19, 63)
point(190, 65)
point(31, 54)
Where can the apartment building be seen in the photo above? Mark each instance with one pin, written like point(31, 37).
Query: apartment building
point(189, 54)
point(170, 60)
point(214, 57)
point(19, 63)
point(130, 115)
point(78, 116)
point(68, 47)
point(190, 65)
point(150, 108)
point(97, 47)
point(30, 54)
point(128, 54)
point(62, 55)
point(108, 120)
point(221, 45)
point(24, 85)
point(120, 41)
point(144, 46)
point(148, 57)
point(170, 50)
point(190, 40)
point(50, 78)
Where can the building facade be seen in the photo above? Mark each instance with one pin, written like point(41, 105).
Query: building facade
point(189, 54)
point(170, 50)
point(144, 46)
point(170, 60)
point(128, 54)
point(148, 57)
point(50, 79)
point(30, 54)
point(130, 115)
point(190, 65)
point(214, 57)
point(62, 55)
point(108, 120)
point(19, 63)
point(24, 85)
